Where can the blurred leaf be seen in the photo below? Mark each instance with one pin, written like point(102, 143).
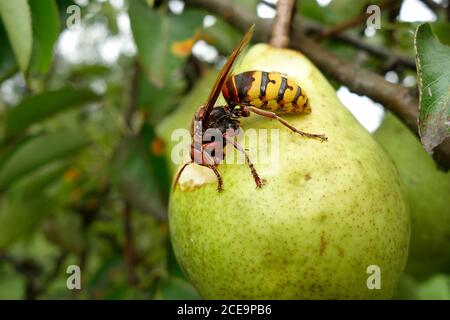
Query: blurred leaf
point(19, 217)
point(34, 183)
point(333, 13)
point(157, 148)
point(247, 4)
point(136, 179)
point(8, 65)
point(224, 37)
point(87, 70)
point(45, 23)
point(433, 67)
point(39, 151)
point(65, 230)
point(155, 33)
point(111, 15)
point(158, 102)
point(150, 31)
point(406, 289)
point(435, 288)
point(16, 18)
point(39, 107)
point(442, 31)
point(12, 285)
point(174, 288)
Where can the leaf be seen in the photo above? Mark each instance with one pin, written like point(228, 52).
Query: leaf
point(20, 217)
point(136, 179)
point(8, 64)
point(38, 152)
point(16, 18)
point(433, 67)
point(155, 33)
point(150, 31)
point(40, 107)
point(222, 36)
point(45, 22)
point(34, 183)
point(435, 288)
point(442, 31)
point(174, 288)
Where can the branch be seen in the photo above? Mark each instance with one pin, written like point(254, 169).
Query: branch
point(282, 24)
point(133, 98)
point(393, 96)
point(354, 21)
point(128, 250)
point(311, 27)
point(433, 6)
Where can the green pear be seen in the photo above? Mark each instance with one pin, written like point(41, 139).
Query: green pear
point(330, 222)
point(427, 189)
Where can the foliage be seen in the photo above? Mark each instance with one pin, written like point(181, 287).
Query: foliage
point(433, 66)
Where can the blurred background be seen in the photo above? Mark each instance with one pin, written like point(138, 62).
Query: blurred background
point(83, 173)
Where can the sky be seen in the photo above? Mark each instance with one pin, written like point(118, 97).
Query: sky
point(93, 45)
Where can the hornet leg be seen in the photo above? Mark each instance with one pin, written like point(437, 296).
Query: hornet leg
point(217, 173)
point(272, 115)
point(259, 182)
point(179, 174)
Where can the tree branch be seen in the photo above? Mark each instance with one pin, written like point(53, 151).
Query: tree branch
point(282, 24)
point(354, 21)
point(393, 96)
point(311, 27)
point(128, 250)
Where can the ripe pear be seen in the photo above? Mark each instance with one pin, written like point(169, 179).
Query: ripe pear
point(330, 222)
point(427, 190)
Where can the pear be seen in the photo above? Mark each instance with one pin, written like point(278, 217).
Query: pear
point(427, 190)
point(330, 223)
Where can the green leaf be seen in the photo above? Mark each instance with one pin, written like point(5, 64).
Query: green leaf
point(136, 179)
point(34, 183)
point(45, 22)
point(174, 288)
point(20, 217)
point(442, 31)
point(155, 34)
point(8, 64)
point(40, 107)
point(433, 68)
point(435, 288)
point(38, 152)
point(16, 18)
point(150, 31)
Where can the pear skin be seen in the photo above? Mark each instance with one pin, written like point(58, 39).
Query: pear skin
point(330, 223)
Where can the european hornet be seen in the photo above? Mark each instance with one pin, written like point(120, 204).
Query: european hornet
point(260, 92)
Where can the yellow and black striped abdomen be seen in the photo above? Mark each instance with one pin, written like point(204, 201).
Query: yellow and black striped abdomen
point(265, 90)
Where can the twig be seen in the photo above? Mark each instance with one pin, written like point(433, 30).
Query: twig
point(133, 98)
point(282, 24)
point(311, 27)
point(393, 96)
point(354, 21)
point(52, 275)
point(31, 270)
point(433, 6)
point(128, 250)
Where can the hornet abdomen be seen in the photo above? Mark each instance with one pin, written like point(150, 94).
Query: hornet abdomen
point(265, 90)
